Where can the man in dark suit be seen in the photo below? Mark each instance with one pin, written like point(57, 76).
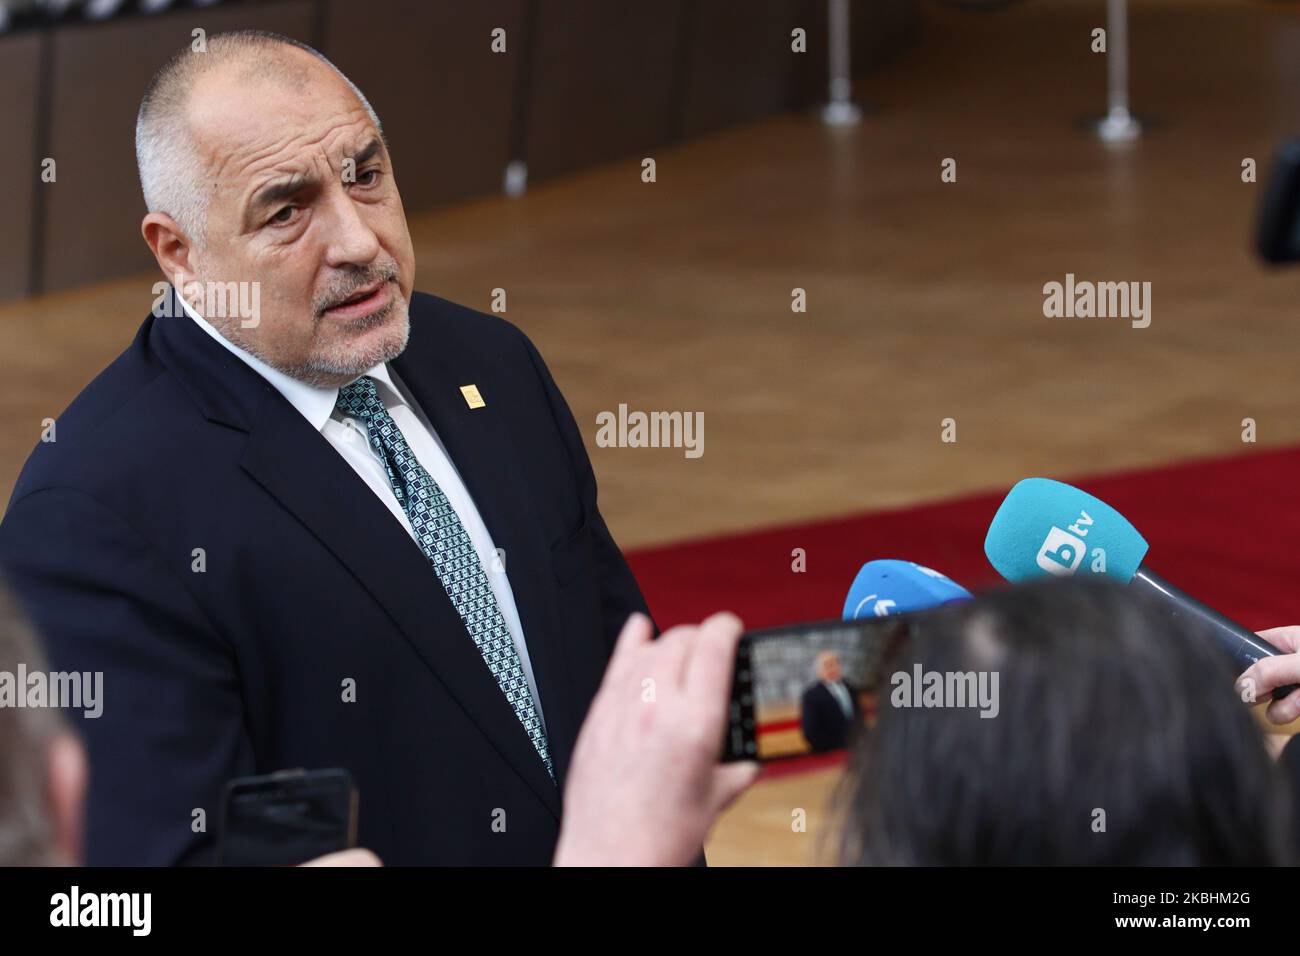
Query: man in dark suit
point(829, 710)
point(310, 517)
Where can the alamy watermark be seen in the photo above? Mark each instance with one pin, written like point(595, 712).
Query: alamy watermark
point(66, 690)
point(956, 689)
point(133, 911)
point(212, 300)
point(651, 430)
point(1102, 300)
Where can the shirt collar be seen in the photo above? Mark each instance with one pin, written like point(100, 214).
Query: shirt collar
point(314, 402)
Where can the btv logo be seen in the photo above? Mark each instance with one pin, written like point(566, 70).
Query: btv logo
point(1062, 552)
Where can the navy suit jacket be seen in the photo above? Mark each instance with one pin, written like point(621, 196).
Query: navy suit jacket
point(190, 535)
point(822, 718)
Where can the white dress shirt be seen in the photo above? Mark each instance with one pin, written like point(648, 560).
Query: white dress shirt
point(348, 436)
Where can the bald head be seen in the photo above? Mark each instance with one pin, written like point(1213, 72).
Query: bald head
point(273, 206)
point(827, 665)
point(167, 148)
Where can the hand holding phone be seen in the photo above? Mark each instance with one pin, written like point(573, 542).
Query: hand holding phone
point(288, 818)
point(645, 785)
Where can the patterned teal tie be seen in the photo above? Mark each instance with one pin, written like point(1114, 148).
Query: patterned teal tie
point(447, 545)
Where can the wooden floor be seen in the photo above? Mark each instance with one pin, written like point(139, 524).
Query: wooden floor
point(924, 298)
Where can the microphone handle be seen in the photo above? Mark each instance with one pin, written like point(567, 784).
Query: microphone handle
point(1245, 646)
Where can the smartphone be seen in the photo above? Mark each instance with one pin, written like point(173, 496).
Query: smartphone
point(809, 688)
point(287, 818)
point(1278, 232)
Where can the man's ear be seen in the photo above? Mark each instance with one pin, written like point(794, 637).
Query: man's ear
point(171, 248)
point(66, 777)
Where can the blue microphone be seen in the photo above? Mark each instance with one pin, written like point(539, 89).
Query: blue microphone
point(888, 586)
point(1046, 527)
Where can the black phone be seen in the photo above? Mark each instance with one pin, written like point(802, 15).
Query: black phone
point(1278, 232)
point(805, 689)
point(287, 818)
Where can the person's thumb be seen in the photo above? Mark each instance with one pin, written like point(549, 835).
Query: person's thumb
point(355, 857)
point(1266, 674)
point(730, 780)
point(1285, 710)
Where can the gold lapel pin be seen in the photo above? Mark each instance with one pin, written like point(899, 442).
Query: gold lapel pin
point(472, 398)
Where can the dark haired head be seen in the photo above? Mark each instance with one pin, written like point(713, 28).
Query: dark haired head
point(1118, 739)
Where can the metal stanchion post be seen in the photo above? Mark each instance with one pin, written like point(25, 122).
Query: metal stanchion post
point(1118, 125)
point(840, 110)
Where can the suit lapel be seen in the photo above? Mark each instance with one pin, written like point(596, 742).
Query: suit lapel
point(298, 467)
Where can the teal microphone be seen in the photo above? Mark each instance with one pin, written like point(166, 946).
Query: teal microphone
point(1048, 528)
point(1070, 531)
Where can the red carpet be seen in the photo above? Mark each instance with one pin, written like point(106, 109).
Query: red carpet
point(1225, 530)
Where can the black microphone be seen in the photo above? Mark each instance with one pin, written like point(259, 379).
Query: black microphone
point(1245, 646)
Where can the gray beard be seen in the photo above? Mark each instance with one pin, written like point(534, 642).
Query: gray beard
point(321, 373)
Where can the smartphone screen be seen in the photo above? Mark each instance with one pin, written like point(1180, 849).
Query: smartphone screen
point(287, 818)
point(809, 688)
